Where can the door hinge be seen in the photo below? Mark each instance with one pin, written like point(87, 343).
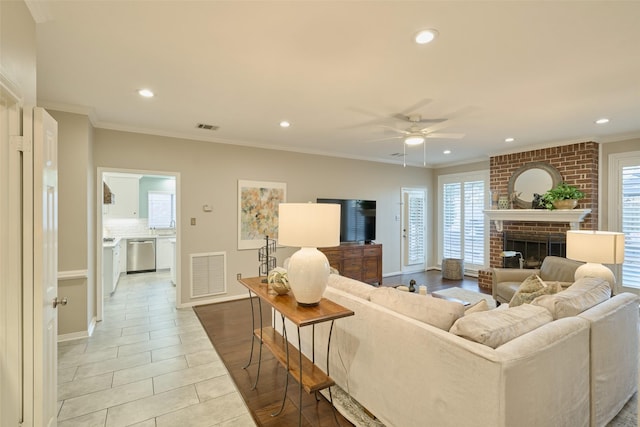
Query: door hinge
point(20, 143)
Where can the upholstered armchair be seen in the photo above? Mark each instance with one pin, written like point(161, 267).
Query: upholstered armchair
point(507, 280)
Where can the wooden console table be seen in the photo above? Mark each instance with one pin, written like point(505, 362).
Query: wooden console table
point(309, 376)
point(359, 262)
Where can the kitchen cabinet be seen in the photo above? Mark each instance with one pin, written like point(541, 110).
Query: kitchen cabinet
point(110, 268)
point(164, 252)
point(127, 196)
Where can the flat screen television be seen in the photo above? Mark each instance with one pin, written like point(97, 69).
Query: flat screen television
point(357, 219)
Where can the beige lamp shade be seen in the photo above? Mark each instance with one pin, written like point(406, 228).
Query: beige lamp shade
point(310, 225)
point(602, 247)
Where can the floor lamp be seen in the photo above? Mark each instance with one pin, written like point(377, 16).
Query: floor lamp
point(595, 248)
point(308, 226)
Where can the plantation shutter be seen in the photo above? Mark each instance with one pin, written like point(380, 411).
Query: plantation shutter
point(452, 209)
point(463, 231)
point(415, 228)
point(474, 222)
point(631, 225)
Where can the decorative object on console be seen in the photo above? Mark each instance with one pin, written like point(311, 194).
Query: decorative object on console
point(412, 285)
point(279, 280)
point(595, 247)
point(308, 226)
point(562, 196)
point(267, 261)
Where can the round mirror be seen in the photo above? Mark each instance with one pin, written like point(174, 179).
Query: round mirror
point(532, 178)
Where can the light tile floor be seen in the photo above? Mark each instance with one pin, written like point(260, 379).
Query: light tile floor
point(147, 364)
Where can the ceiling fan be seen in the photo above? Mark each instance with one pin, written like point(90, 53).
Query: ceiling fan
point(416, 134)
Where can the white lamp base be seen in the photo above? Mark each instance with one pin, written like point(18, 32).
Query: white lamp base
point(308, 275)
point(592, 269)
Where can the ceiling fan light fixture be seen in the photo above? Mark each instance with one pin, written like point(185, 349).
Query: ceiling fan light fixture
point(426, 36)
point(414, 139)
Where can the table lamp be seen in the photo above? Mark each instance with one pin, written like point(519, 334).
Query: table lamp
point(308, 226)
point(595, 248)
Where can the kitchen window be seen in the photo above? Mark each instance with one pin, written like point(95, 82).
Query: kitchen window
point(162, 209)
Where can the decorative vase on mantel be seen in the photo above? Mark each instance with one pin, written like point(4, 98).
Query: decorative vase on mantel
point(503, 202)
point(565, 204)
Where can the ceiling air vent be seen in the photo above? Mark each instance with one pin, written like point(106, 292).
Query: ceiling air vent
point(207, 127)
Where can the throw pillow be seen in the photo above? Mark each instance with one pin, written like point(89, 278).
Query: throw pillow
point(496, 327)
point(477, 307)
point(531, 288)
point(582, 295)
point(425, 308)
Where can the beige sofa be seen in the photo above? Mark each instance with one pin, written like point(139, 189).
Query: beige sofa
point(507, 280)
point(568, 372)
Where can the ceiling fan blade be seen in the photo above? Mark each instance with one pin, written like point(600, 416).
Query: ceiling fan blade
point(414, 107)
point(445, 135)
point(402, 131)
point(411, 119)
point(389, 138)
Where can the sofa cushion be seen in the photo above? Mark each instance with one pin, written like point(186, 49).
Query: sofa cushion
point(558, 268)
point(531, 288)
point(353, 287)
point(425, 308)
point(582, 295)
point(496, 327)
point(479, 306)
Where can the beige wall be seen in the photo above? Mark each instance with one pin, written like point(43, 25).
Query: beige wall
point(76, 221)
point(18, 49)
point(209, 174)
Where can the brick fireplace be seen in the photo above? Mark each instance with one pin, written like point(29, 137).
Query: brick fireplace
point(578, 166)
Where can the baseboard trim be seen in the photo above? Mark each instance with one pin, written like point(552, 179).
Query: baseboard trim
point(73, 336)
point(212, 301)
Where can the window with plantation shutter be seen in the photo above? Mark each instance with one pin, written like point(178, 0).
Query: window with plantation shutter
point(415, 228)
point(624, 214)
point(463, 230)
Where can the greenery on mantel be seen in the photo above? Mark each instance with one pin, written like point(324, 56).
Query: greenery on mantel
point(562, 191)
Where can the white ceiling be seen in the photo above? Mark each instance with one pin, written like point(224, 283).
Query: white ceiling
point(540, 72)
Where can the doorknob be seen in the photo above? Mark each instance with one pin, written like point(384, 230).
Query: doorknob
point(57, 302)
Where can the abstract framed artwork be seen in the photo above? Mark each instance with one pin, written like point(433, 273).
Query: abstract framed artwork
point(258, 211)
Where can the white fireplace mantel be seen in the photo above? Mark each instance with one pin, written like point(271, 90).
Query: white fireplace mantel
point(572, 216)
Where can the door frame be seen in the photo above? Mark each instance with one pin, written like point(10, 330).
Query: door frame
point(99, 216)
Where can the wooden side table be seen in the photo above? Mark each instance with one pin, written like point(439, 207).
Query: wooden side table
point(304, 371)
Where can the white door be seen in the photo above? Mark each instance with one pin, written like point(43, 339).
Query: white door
point(45, 267)
point(413, 230)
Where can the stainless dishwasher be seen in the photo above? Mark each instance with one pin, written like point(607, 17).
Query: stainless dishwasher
point(141, 255)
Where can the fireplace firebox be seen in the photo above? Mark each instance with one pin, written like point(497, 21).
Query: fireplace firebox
point(534, 247)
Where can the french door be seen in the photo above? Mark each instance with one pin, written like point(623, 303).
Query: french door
point(414, 252)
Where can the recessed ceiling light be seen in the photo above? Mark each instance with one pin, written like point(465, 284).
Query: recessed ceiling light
point(602, 121)
point(426, 36)
point(284, 124)
point(509, 139)
point(447, 151)
point(147, 93)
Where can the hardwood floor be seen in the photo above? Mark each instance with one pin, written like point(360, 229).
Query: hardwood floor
point(229, 328)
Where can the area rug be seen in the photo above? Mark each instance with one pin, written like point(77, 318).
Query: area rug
point(350, 408)
point(467, 295)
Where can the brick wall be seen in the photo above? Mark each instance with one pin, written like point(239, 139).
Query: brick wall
point(578, 166)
